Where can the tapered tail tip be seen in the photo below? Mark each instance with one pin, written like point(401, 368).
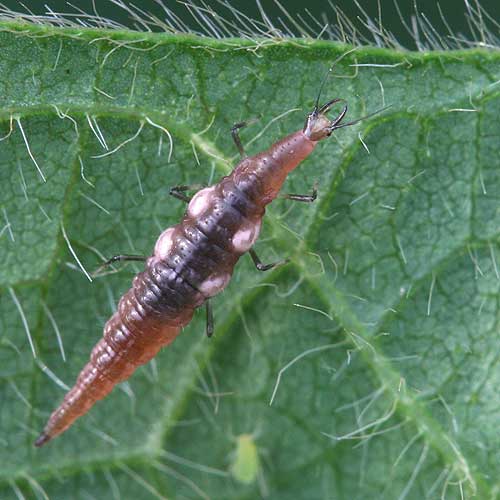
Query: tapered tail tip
point(42, 439)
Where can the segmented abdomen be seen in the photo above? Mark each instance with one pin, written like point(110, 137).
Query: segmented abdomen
point(149, 316)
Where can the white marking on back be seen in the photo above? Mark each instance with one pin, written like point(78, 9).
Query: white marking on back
point(246, 236)
point(214, 284)
point(200, 202)
point(164, 244)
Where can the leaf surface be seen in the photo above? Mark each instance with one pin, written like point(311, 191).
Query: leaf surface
point(389, 308)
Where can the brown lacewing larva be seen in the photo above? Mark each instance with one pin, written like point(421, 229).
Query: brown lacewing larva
point(191, 262)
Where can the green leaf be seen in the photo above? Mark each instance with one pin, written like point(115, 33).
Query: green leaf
point(389, 308)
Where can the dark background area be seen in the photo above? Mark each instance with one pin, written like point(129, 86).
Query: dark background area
point(454, 12)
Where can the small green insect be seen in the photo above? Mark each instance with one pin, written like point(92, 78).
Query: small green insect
point(246, 464)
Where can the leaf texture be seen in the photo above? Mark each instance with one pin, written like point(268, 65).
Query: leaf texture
point(389, 306)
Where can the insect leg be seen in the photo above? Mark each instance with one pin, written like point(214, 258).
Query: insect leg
point(210, 319)
point(118, 258)
point(265, 267)
point(236, 137)
point(178, 191)
point(308, 198)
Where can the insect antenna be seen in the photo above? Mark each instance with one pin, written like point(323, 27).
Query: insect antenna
point(335, 126)
point(325, 78)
